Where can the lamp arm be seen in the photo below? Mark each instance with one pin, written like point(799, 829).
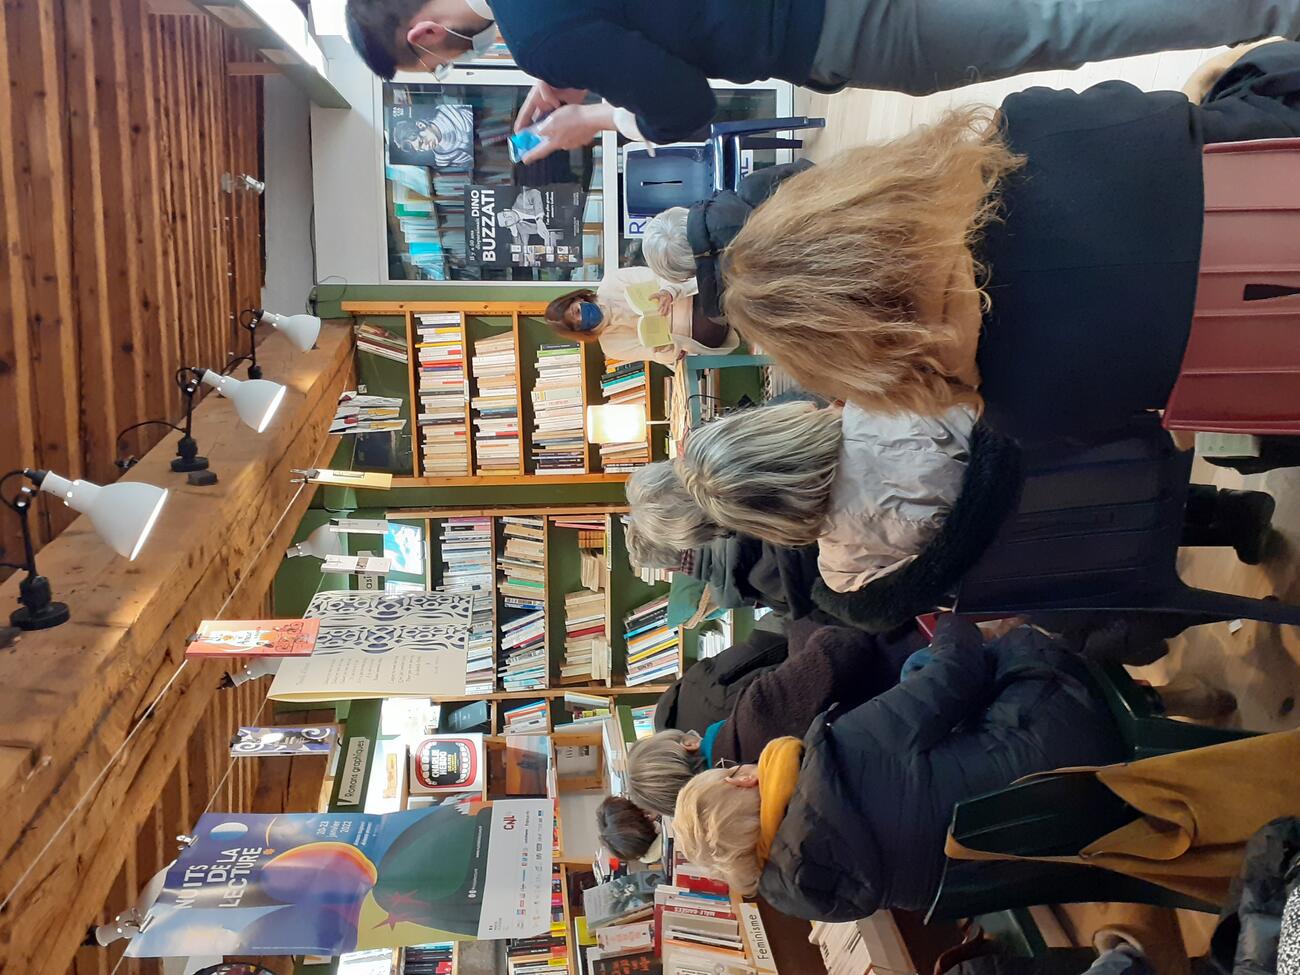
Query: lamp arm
point(250, 318)
point(21, 505)
point(126, 464)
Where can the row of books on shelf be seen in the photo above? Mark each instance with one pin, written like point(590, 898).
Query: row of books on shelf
point(496, 406)
point(547, 953)
point(626, 383)
point(443, 391)
point(534, 717)
point(653, 646)
point(559, 434)
point(586, 638)
point(467, 568)
point(521, 568)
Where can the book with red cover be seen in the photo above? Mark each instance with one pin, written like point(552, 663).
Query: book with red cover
point(254, 638)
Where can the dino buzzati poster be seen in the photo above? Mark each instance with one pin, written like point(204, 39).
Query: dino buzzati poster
point(328, 883)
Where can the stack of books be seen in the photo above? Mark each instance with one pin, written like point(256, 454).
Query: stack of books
point(467, 568)
point(522, 563)
point(587, 708)
point(380, 341)
point(527, 719)
point(432, 959)
point(653, 647)
point(522, 585)
point(496, 406)
point(559, 437)
point(548, 953)
point(871, 946)
point(699, 925)
point(628, 383)
point(523, 641)
point(367, 414)
point(443, 392)
point(586, 637)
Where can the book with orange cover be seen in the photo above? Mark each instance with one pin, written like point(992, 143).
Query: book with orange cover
point(254, 638)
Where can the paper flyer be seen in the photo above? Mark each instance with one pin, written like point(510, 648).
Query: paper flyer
point(330, 883)
point(334, 677)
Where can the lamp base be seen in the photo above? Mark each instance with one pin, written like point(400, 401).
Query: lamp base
point(185, 465)
point(47, 617)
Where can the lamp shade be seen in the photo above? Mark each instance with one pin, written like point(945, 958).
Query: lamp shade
point(321, 543)
point(123, 514)
point(301, 330)
point(616, 423)
point(255, 400)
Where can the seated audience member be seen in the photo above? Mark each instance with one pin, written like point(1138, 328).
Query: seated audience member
point(875, 492)
point(870, 490)
point(1041, 260)
point(710, 688)
point(628, 831)
point(853, 818)
point(826, 665)
point(608, 317)
point(682, 244)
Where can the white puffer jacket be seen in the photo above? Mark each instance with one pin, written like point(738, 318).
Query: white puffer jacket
point(898, 477)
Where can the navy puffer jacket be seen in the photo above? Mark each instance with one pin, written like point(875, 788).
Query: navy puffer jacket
point(865, 828)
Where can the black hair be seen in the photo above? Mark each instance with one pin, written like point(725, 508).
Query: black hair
point(373, 28)
point(624, 828)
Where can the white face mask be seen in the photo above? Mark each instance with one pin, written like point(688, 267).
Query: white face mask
point(479, 44)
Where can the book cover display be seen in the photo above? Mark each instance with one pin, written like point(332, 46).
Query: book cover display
point(437, 136)
point(443, 764)
point(329, 883)
point(254, 638)
point(524, 226)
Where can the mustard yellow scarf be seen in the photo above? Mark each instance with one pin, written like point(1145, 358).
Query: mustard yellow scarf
point(778, 773)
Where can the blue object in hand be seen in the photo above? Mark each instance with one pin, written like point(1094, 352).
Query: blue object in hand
point(522, 143)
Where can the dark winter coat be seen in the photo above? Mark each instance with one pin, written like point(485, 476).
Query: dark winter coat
point(866, 826)
point(715, 222)
point(827, 665)
point(741, 571)
point(709, 689)
point(1094, 261)
point(1246, 940)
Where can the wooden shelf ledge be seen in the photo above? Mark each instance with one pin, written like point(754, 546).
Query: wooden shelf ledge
point(71, 695)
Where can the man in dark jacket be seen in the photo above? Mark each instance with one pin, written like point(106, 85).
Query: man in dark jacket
point(876, 790)
point(652, 61)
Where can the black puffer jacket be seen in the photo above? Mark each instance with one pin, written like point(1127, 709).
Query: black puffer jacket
point(709, 690)
point(714, 223)
point(1246, 940)
point(865, 828)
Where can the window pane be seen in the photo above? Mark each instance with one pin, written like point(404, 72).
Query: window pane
point(440, 141)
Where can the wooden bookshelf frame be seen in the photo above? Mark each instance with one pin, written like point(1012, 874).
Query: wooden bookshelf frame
point(515, 312)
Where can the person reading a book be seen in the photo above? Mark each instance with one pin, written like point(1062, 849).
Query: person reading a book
point(652, 62)
point(1051, 277)
point(628, 831)
point(852, 817)
point(825, 666)
point(634, 315)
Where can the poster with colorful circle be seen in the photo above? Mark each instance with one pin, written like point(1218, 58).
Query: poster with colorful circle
point(327, 883)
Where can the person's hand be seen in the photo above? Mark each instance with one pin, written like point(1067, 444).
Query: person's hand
point(543, 100)
point(665, 302)
point(570, 127)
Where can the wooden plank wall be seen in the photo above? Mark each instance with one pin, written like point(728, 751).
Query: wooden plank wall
point(124, 258)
